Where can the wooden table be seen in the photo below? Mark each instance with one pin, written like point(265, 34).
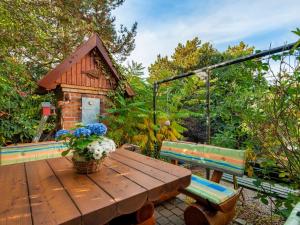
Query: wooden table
point(51, 192)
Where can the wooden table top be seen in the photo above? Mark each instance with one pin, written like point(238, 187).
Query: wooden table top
point(51, 192)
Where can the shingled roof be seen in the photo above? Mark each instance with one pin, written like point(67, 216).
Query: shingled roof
point(49, 81)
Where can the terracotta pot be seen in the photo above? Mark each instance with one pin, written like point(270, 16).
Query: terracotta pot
point(83, 166)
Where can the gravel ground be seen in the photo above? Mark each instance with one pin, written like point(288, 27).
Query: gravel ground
point(252, 211)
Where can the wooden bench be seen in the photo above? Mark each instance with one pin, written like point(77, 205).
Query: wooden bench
point(294, 218)
point(215, 203)
point(31, 152)
point(265, 187)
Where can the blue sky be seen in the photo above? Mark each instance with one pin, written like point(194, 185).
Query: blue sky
point(162, 24)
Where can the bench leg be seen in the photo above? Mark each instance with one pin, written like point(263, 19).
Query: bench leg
point(216, 176)
point(243, 197)
point(175, 162)
point(196, 214)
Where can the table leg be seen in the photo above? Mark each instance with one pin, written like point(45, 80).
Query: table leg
point(150, 221)
point(143, 216)
point(145, 213)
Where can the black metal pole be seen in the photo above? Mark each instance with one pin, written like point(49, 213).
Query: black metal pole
point(231, 62)
point(176, 77)
point(154, 102)
point(208, 108)
point(207, 116)
point(155, 89)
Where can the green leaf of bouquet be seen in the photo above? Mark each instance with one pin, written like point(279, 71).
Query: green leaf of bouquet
point(64, 153)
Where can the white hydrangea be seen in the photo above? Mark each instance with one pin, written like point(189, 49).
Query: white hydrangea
point(101, 148)
point(97, 155)
point(108, 145)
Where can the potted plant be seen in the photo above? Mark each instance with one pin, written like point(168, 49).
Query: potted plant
point(88, 145)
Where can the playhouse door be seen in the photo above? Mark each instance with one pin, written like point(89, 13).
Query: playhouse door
point(90, 110)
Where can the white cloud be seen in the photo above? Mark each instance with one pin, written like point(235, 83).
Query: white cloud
point(223, 22)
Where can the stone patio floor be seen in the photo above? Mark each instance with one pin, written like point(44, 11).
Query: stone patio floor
point(171, 212)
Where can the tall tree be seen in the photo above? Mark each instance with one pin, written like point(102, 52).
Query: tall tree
point(42, 33)
point(234, 87)
point(186, 57)
point(184, 99)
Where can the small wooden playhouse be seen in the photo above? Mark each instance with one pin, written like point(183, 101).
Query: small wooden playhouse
point(82, 82)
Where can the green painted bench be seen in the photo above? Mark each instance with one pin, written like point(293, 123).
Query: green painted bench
point(265, 187)
point(31, 152)
point(294, 218)
point(215, 202)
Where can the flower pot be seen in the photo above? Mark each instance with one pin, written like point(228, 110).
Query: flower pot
point(83, 166)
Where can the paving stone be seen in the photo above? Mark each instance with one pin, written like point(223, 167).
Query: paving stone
point(172, 201)
point(169, 206)
point(177, 201)
point(159, 208)
point(176, 220)
point(156, 214)
point(182, 216)
point(171, 212)
point(181, 197)
point(177, 211)
point(182, 206)
point(162, 221)
point(166, 212)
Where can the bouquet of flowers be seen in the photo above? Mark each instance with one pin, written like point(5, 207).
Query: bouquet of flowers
point(88, 144)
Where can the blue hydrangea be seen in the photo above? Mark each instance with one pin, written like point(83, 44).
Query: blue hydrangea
point(82, 132)
point(61, 133)
point(97, 128)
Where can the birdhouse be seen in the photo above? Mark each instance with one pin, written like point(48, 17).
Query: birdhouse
point(46, 108)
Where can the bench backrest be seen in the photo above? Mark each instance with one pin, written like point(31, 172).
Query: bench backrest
point(31, 152)
point(222, 159)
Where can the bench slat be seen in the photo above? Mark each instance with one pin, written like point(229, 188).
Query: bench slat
point(31, 152)
point(223, 159)
point(213, 192)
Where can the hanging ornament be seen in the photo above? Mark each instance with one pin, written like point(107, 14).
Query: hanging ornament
point(167, 123)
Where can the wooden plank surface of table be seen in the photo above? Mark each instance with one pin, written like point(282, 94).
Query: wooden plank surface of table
point(175, 177)
point(14, 201)
point(50, 203)
point(94, 203)
point(128, 195)
point(51, 192)
point(152, 185)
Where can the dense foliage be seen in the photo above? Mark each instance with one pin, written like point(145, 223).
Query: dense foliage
point(19, 104)
point(131, 119)
point(35, 36)
point(254, 106)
